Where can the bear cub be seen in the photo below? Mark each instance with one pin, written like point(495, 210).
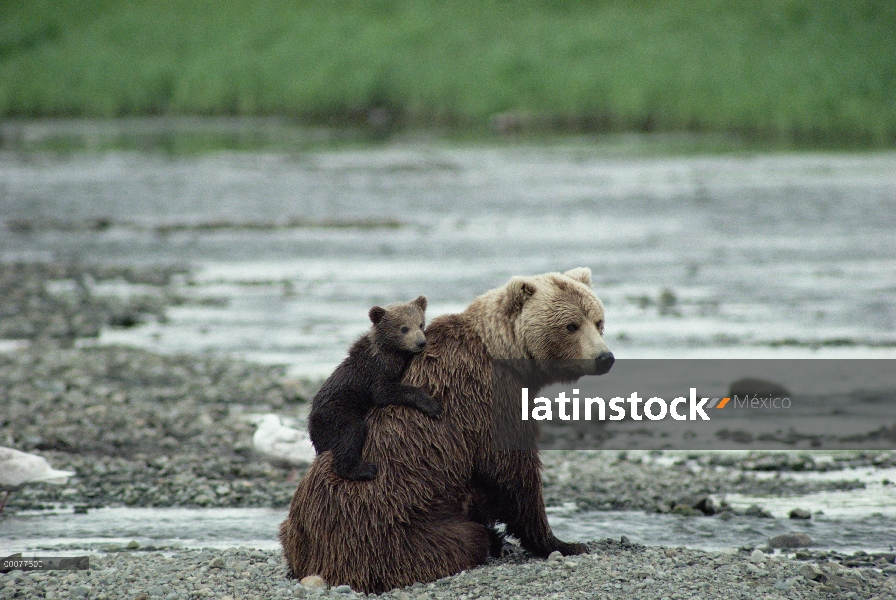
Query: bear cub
point(370, 376)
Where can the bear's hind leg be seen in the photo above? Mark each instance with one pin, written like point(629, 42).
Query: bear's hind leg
point(347, 461)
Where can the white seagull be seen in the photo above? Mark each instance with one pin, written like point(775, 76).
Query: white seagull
point(282, 445)
point(19, 468)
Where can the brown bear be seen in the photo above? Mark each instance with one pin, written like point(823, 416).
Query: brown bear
point(441, 485)
point(370, 376)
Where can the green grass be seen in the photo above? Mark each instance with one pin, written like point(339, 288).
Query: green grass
point(803, 71)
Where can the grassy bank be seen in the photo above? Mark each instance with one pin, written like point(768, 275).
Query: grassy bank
point(807, 71)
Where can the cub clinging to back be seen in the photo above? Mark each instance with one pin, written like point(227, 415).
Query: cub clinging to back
point(370, 376)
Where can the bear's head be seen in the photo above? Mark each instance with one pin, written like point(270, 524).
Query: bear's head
point(554, 316)
point(399, 326)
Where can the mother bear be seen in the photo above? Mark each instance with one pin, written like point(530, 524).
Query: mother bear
point(441, 487)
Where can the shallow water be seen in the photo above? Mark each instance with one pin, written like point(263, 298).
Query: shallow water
point(843, 521)
point(257, 528)
point(763, 255)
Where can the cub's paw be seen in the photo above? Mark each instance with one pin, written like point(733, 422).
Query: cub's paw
point(429, 405)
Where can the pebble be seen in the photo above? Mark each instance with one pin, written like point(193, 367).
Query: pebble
point(313, 581)
point(783, 585)
point(754, 570)
point(812, 573)
point(800, 513)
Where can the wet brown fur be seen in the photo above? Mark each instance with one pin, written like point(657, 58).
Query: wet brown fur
point(441, 486)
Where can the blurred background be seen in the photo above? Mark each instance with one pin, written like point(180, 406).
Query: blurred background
point(248, 178)
point(773, 71)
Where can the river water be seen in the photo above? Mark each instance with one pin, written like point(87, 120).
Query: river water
point(723, 256)
point(694, 256)
point(844, 521)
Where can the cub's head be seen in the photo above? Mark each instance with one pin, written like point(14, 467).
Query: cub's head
point(400, 326)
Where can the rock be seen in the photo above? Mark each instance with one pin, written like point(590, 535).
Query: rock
point(686, 511)
point(133, 545)
point(555, 556)
point(813, 573)
point(342, 589)
point(790, 540)
point(754, 510)
point(668, 303)
point(782, 585)
point(800, 513)
point(313, 581)
point(706, 506)
point(750, 386)
point(757, 557)
point(754, 570)
point(216, 563)
point(80, 591)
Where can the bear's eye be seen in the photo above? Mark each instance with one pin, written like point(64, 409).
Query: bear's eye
point(600, 326)
point(572, 328)
point(421, 325)
point(404, 329)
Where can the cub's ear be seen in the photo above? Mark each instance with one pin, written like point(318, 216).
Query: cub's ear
point(420, 302)
point(376, 314)
point(582, 274)
point(519, 289)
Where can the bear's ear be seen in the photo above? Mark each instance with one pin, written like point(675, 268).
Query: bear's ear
point(420, 302)
point(376, 314)
point(582, 274)
point(519, 290)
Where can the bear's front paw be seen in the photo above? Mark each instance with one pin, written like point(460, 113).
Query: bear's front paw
point(570, 549)
point(429, 405)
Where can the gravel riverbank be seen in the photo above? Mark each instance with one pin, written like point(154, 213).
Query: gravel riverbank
point(613, 569)
point(142, 429)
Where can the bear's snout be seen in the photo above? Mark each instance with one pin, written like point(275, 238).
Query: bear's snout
point(604, 362)
point(421, 344)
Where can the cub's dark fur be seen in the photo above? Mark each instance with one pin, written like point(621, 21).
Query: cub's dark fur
point(369, 377)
